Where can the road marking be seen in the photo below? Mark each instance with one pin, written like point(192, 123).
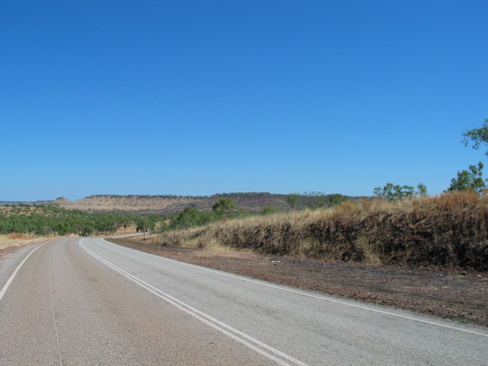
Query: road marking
point(226, 329)
point(7, 284)
point(54, 314)
point(311, 295)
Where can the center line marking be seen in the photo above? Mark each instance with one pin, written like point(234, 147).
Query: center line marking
point(226, 329)
point(302, 293)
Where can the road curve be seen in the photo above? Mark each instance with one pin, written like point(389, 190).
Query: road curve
point(89, 302)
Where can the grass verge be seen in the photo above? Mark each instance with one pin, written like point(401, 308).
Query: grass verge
point(443, 231)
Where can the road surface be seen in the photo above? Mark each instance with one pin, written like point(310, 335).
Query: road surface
point(89, 302)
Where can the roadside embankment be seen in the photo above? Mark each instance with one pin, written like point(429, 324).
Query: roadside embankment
point(448, 231)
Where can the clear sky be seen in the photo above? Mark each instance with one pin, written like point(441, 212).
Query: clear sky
point(201, 97)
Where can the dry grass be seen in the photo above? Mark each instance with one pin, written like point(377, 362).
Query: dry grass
point(129, 230)
point(16, 240)
point(448, 230)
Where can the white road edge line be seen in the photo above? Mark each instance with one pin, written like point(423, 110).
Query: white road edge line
point(319, 297)
point(7, 284)
point(226, 329)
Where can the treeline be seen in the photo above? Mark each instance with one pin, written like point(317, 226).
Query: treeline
point(47, 219)
point(224, 209)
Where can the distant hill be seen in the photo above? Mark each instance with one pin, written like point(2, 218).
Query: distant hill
point(165, 204)
point(252, 202)
point(130, 203)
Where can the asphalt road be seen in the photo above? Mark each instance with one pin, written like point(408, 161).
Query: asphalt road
point(89, 302)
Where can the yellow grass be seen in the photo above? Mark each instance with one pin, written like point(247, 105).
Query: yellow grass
point(446, 230)
point(15, 240)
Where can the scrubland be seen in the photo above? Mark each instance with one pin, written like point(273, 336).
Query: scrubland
point(449, 230)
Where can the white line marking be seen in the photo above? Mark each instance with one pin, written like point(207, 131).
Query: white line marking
point(7, 284)
point(311, 295)
point(231, 332)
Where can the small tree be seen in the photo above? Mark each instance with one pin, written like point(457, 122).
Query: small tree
point(477, 136)
point(224, 206)
point(324, 201)
point(143, 224)
point(396, 192)
point(191, 217)
point(471, 179)
point(336, 199)
point(421, 190)
point(292, 199)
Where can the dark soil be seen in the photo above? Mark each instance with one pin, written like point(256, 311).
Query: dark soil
point(453, 294)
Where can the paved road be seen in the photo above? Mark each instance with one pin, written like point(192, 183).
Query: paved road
point(90, 302)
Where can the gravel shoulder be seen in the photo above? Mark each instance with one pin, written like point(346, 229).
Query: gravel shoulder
point(456, 295)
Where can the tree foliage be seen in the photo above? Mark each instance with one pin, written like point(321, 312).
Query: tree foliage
point(468, 179)
point(192, 217)
point(336, 199)
point(393, 192)
point(45, 219)
point(144, 224)
point(477, 136)
point(421, 190)
point(292, 199)
point(224, 206)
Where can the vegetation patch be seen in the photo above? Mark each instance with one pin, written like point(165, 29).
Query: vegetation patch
point(445, 231)
point(43, 219)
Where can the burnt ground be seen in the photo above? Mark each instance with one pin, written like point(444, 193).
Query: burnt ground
point(454, 294)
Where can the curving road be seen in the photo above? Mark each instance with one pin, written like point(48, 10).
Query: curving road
point(90, 302)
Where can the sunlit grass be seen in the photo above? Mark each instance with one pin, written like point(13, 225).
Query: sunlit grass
point(446, 230)
point(16, 240)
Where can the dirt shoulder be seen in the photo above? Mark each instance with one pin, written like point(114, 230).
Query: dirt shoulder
point(457, 295)
point(11, 243)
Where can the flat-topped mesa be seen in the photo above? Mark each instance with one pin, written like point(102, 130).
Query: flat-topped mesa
point(61, 200)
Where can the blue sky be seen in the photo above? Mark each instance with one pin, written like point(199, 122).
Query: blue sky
point(203, 97)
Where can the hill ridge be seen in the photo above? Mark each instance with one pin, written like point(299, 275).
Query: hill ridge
point(166, 204)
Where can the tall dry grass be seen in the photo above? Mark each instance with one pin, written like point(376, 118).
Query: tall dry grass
point(447, 230)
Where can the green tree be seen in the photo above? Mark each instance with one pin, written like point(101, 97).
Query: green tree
point(224, 206)
point(321, 200)
point(336, 199)
point(421, 190)
point(192, 217)
point(471, 179)
point(477, 136)
point(269, 210)
point(317, 199)
point(394, 192)
point(292, 199)
point(143, 224)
